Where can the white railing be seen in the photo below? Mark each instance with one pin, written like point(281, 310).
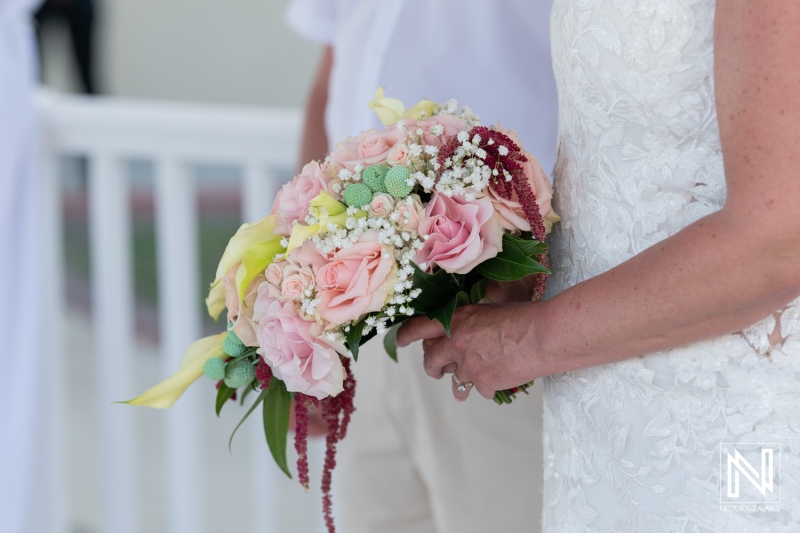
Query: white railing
point(107, 132)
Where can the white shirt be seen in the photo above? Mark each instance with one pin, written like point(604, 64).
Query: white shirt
point(492, 56)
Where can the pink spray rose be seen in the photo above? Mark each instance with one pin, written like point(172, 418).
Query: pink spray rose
point(297, 350)
point(274, 273)
point(398, 155)
point(450, 124)
point(411, 212)
point(382, 205)
point(293, 199)
point(369, 148)
point(461, 233)
point(509, 211)
point(352, 281)
point(241, 315)
point(296, 280)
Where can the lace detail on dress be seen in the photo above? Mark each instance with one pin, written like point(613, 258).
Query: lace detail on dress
point(635, 446)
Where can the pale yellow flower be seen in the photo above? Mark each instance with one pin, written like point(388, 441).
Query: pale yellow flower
point(327, 210)
point(390, 110)
point(240, 243)
point(166, 393)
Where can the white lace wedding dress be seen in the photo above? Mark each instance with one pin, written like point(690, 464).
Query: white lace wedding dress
point(635, 446)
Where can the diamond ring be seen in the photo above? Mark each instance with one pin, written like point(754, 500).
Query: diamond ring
point(461, 385)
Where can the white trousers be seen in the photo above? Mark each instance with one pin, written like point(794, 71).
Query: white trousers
point(22, 321)
point(415, 460)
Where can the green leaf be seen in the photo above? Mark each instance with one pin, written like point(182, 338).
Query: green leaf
point(531, 248)
point(462, 298)
point(246, 392)
point(511, 263)
point(444, 315)
point(277, 403)
point(259, 399)
point(224, 394)
point(353, 338)
point(477, 291)
point(437, 290)
point(390, 341)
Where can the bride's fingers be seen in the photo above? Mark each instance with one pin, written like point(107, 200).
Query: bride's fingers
point(449, 369)
point(436, 360)
point(486, 392)
point(460, 395)
point(418, 328)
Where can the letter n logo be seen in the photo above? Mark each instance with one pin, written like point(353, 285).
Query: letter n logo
point(747, 467)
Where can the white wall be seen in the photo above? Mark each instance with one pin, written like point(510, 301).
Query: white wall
point(232, 51)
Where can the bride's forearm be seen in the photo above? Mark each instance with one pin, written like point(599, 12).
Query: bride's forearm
point(712, 278)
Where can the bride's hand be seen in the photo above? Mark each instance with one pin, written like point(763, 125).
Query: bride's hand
point(493, 346)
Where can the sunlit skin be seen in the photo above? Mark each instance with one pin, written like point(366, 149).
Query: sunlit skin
point(717, 276)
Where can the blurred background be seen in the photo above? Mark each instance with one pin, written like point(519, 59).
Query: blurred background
point(166, 123)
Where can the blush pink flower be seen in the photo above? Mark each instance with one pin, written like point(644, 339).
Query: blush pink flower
point(410, 211)
point(510, 214)
point(369, 148)
point(296, 280)
point(450, 124)
point(297, 350)
point(352, 281)
point(382, 205)
point(274, 273)
point(398, 155)
point(461, 233)
point(293, 199)
point(241, 314)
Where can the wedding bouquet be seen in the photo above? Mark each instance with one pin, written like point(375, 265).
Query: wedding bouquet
point(414, 219)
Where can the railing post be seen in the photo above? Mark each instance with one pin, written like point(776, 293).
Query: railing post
point(179, 319)
point(55, 441)
point(112, 305)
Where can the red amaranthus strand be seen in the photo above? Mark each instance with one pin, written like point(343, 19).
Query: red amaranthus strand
point(511, 162)
point(301, 407)
point(337, 412)
point(263, 373)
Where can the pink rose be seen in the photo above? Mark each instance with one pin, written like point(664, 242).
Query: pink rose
point(411, 212)
point(369, 148)
point(293, 199)
point(241, 316)
point(297, 350)
point(461, 233)
point(296, 280)
point(382, 205)
point(398, 155)
point(353, 281)
point(451, 125)
point(509, 211)
point(274, 273)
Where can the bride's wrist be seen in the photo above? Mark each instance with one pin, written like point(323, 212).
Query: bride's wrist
point(538, 341)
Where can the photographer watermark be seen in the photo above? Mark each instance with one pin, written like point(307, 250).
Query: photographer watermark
point(750, 477)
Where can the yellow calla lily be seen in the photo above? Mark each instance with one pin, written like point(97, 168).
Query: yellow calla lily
point(390, 110)
point(166, 393)
point(550, 219)
point(327, 210)
point(245, 237)
point(255, 261)
point(422, 109)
